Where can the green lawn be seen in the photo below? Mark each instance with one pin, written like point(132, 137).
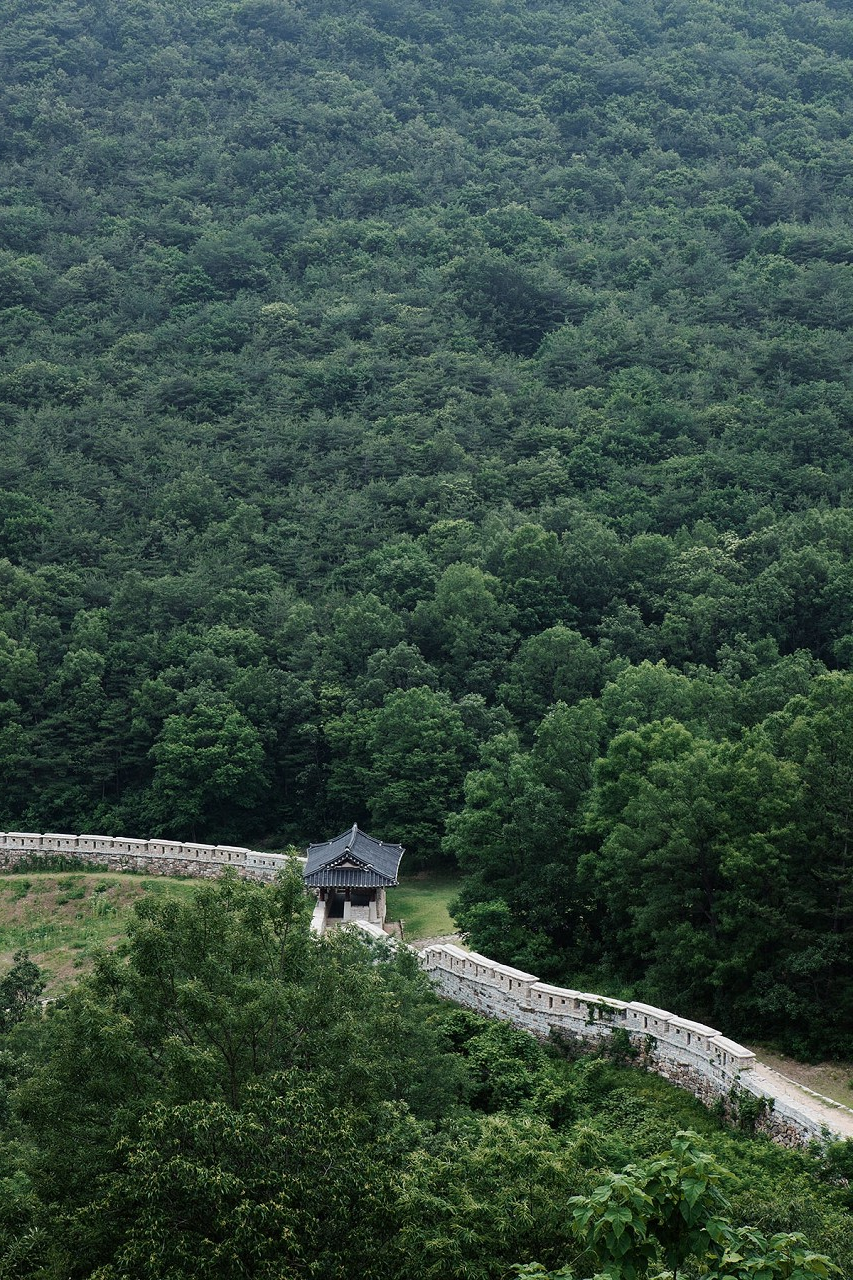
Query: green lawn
point(61, 918)
point(421, 903)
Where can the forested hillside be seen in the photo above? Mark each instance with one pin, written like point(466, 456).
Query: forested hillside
point(400, 393)
point(230, 1097)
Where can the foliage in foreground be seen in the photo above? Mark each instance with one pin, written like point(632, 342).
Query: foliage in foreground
point(20, 989)
point(225, 1085)
point(672, 1212)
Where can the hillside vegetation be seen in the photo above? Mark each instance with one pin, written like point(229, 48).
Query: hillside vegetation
point(198, 1105)
point(64, 920)
point(405, 407)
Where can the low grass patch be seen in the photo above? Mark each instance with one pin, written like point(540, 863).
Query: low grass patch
point(421, 902)
point(62, 919)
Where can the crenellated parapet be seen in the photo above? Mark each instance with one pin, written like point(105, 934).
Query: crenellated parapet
point(543, 1008)
point(125, 853)
point(690, 1054)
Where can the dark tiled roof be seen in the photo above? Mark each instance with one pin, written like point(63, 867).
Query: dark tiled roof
point(347, 878)
point(376, 863)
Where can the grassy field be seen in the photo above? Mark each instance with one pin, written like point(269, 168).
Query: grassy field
point(62, 918)
point(421, 903)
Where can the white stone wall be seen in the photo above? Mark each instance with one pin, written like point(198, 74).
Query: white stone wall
point(790, 1122)
point(690, 1054)
point(319, 916)
point(122, 853)
point(538, 1006)
point(695, 1056)
point(375, 931)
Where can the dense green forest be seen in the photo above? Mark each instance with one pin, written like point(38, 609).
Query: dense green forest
point(229, 1097)
point(407, 406)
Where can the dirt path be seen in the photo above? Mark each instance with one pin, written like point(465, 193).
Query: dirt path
point(422, 943)
point(833, 1080)
point(837, 1118)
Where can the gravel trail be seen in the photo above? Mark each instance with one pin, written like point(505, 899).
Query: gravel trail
point(838, 1119)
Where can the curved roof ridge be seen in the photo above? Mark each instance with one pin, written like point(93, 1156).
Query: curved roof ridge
point(376, 857)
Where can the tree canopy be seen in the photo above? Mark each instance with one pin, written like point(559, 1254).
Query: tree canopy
point(225, 1088)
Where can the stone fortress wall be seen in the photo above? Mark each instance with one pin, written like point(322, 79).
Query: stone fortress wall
point(156, 857)
point(689, 1054)
point(696, 1057)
